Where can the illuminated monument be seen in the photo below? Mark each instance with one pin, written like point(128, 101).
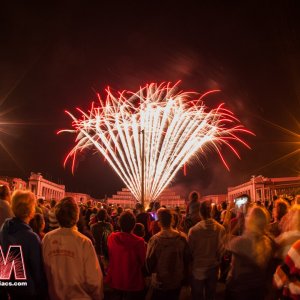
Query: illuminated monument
point(167, 197)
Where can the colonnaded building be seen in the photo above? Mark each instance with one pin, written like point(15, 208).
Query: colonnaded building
point(260, 188)
point(257, 188)
point(44, 188)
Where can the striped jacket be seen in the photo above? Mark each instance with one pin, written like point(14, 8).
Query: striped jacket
point(287, 275)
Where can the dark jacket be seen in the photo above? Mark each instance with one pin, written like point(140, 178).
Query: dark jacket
point(100, 232)
point(16, 232)
point(168, 260)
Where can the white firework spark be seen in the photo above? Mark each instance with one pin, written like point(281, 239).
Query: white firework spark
point(175, 129)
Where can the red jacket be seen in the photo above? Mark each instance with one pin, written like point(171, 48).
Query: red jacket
point(127, 253)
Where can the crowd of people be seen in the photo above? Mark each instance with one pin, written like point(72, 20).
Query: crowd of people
point(73, 251)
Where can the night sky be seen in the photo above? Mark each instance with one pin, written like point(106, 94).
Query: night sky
point(54, 58)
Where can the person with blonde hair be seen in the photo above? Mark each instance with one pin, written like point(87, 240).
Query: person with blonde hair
point(291, 232)
point(5, 208)
point(251, 254)
point(16, 231)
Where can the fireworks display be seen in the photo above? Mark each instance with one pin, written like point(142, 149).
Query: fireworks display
point(157, 125)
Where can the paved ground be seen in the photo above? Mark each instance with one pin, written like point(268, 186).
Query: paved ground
point(185, 293)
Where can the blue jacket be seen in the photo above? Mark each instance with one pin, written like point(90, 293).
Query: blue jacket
point(16, 232)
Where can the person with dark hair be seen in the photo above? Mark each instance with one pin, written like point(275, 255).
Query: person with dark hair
point(127, 254)
point(16, 231)
point(93, 217)
point(5, 209)
point(280, 210)
point(216, 212)
point(206, 240)
point(139, 230)
point(88, 213)
point(193, 198)
point(53, 224)
point(70, 260)
point(101, 231)
point(45, 211)
point(176, 224)
point(223, 212)
point(144, 218)
point(192, 218)
point(37, 223)
point(167, 259)
point(116, 218)
point(154, 227)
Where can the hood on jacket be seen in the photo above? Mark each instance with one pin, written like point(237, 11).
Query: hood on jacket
point(14, 225)
point(123, 238)
point(208, 224)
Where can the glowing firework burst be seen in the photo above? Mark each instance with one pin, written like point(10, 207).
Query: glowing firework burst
point(164, 127)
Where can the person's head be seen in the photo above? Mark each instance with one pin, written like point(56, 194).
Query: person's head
point(280, 209)
point(176, 219)
point(127, 221)
point(40, 201)
point(156, 205)
point(67, 212)
point(37, 223)
point(194, 196)
point(52, 203)
point(257, 220)
point(139, 230)
point(224, 205)
point(102, 215)
point(205, 210)
point(23, 205)
point(164, 217)
point(109, 210)
point(119, 210)
point(4, 192)
point(139, 207)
